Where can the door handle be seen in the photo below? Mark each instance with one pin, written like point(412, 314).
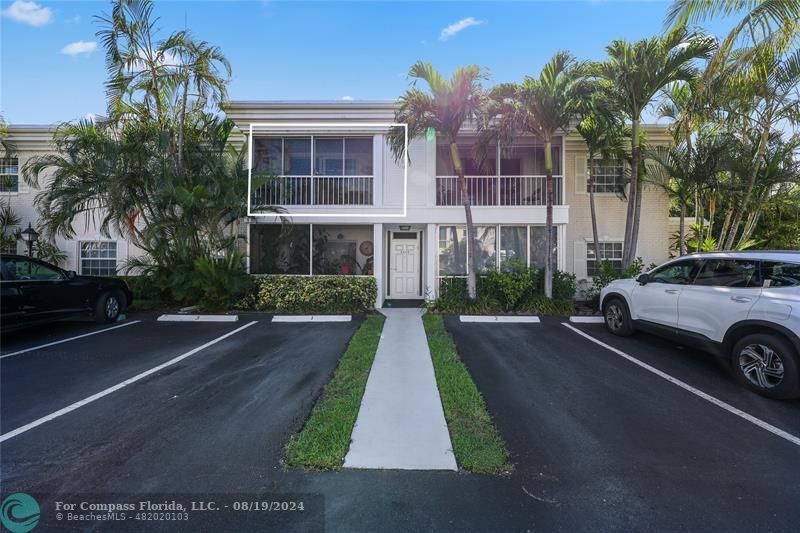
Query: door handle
point(740, 299)
point(672, 291)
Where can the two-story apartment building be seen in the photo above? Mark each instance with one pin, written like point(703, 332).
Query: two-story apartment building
point(89, 252)
point(355, 210)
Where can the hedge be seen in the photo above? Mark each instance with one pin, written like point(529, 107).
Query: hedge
point(313, 294)
point(520, 290)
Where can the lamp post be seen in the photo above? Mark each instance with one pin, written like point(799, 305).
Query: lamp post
point(30, 236)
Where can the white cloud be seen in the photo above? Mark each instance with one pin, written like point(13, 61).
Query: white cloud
point(456, 27)
point(79, 47)
point(347, 98)
point(29, 13)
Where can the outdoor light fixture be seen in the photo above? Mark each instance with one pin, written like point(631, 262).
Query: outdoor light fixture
point(405, 228)
point(30, 236)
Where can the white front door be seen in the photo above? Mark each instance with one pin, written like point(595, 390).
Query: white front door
point(404, 269)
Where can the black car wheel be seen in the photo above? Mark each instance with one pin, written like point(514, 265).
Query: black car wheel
point(109, 306)
point(617, 318)
point(768, 365)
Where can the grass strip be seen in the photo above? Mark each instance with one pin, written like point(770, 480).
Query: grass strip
point(325, 437)
point(477, 445)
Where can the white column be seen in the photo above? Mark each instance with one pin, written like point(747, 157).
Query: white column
point(431, 262)
point(378, 253)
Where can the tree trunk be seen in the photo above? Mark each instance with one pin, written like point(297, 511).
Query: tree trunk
point(751, 182)
point(593, 211)
point(548, 261)
point(472, 244)
point(182, 126)
point(629, 252)
point(682, 230)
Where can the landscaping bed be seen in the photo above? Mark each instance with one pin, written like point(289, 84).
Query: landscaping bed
point(477, 445)
point(325, 438)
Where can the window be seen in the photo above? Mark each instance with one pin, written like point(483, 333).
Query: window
point(539, 246)
point(780, 274)
point(9, 245)
point(678, 273)
point(26, 270)
point(610, 251)
point(99, 258)
point(299, 250)
point(728, 273)
point(280, 249)
point(9, 174)
point(487, 247)
point(452, 250)
point(297, 157)
point(608, 176)
point(513, 246)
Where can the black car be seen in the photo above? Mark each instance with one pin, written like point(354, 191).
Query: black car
point(33, 291)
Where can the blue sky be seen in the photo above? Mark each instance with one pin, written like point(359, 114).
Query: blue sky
point(308, 50)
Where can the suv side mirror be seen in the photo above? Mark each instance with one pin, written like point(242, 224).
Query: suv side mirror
point(71, 274)
point(643, 279)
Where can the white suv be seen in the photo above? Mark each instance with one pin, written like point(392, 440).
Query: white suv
point(744, 306)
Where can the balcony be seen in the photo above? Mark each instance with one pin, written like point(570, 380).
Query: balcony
point(498, 190)
point(312, 190)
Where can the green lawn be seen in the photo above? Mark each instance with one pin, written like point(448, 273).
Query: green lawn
point(477, 445)
point(325, 438)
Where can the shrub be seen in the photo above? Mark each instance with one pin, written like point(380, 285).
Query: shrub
point(314, 294)
point(515, 289)
point(607, 272)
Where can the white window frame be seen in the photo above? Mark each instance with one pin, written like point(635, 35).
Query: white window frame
point(603, 172)
point(5, 164)
point(594, 260)
point(81, 258)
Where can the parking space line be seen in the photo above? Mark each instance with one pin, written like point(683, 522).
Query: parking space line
point(697, 392)
point(69, 339)
point(118, 386)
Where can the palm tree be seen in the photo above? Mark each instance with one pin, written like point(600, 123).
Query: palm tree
point(684, 169)
point(444, 108)
point(603, 132)
point(542, 106)
point(764, 23)
point(633, 74)
point(767, 95)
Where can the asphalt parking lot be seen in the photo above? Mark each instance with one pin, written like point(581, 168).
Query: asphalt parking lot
point(598, 442)
point(609, 441)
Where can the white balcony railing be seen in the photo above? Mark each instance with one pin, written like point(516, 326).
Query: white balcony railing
point(312, 190)
point(498, 190)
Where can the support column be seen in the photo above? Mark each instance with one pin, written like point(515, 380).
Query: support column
point(431, 262)
point(378, 255)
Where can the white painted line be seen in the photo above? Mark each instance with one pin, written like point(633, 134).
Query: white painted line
point(312, 318)
point(719, 403)
point(118, 386)
point(198, 318)
point(503, 319)
point(69, 339)
point(586, 319)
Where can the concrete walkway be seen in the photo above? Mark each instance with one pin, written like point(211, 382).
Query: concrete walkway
point(401, 423)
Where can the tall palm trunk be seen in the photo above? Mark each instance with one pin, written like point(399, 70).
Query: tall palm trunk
point(472, 250)
point(593, 211)
point(748, 193)
point(631, 219)
point(548, 240)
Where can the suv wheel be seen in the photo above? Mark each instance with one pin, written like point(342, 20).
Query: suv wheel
point(617, 317)
point(768, 365)
point(108, 307)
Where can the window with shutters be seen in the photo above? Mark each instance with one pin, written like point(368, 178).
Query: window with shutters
point(608, 175)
